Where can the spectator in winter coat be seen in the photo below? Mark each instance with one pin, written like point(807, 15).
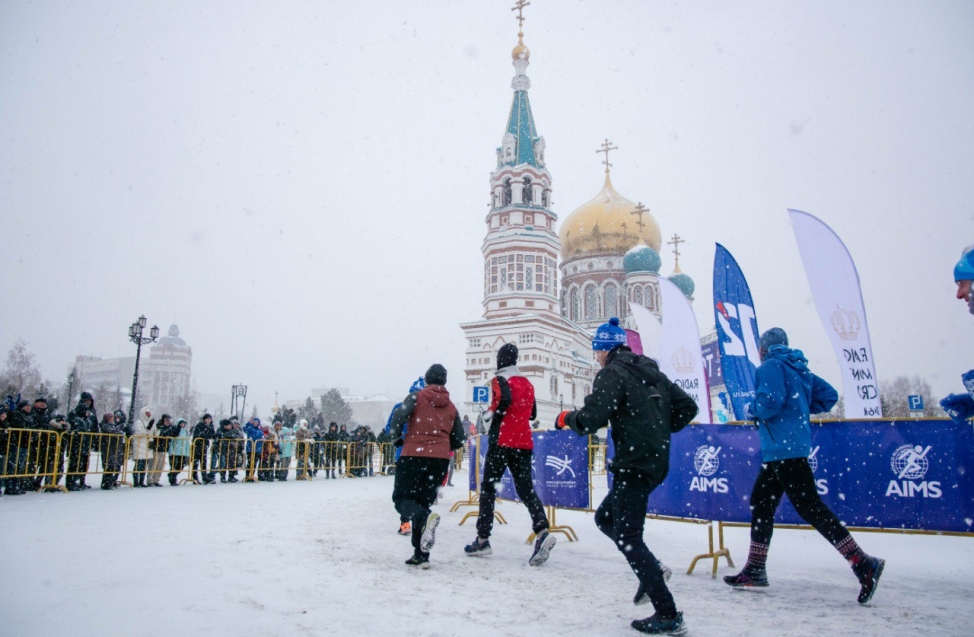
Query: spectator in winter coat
point(18, 444)
point(166, 430)
point(304, 443)
point(203, 433)
point(139, 445)
point(37, 460)
point(343, 439)
point(960, 407)
point(254, 446)
point(268, 457)
point(112, 441)
point(50, 459)
point(317, 458)
point(786, 394)
point(510, 446)
point(644, 407)
point(332, 449)
point(286, 441)
point(179, 451)
point(434, 429)
point(226, 444)
point(84, 422)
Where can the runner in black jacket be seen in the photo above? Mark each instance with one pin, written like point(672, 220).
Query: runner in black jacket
point(644, 407)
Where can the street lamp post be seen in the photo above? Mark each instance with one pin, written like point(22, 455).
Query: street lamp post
point(135, 335)
point(238, 398)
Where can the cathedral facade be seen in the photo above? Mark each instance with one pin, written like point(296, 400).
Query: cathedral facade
point(545, 290)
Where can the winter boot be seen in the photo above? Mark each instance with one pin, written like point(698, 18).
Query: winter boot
point(479, 548)
point(542, 548)
point(429, 533)
point(756, 577)
point(868, 571)
point(419, 560)
point(657, 625)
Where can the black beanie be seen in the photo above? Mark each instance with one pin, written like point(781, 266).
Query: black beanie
point(507, 356)
point(435, 375)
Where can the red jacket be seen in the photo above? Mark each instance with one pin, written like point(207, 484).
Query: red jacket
point(515, 427)
point(430, 424)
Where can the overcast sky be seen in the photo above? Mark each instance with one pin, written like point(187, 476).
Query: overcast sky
point(302, 186)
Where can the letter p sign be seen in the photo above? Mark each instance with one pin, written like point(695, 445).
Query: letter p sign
point(915, 403)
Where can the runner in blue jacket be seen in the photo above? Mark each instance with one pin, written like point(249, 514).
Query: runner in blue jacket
point(787, 393)
point(960, 407)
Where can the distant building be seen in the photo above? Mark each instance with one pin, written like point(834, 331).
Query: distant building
point(164, 373)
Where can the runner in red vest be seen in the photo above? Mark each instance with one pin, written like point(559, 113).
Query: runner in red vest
point(510, 446)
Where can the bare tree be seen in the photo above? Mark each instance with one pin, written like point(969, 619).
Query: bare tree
point(21, 374)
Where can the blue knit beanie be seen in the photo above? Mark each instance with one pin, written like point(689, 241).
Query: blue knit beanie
point(964, 270)
point(417, 385)
point(609, 336)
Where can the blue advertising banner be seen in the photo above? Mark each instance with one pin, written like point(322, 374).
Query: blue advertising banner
point(559, 469)
point(737, 331)
point(878, 474)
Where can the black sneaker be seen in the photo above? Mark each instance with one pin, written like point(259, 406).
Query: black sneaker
point(656, 625)
point(868, 572)
point(478, 548)
point(419, 561)
point(748, 578)
point(642, 595)
point(542, 548)
point(428, 539)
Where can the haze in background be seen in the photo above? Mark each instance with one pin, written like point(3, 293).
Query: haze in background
point(302, 186)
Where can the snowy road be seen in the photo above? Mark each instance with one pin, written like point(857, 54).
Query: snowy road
point(323, 558)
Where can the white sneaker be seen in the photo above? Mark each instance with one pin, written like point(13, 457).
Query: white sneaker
point(429, 533)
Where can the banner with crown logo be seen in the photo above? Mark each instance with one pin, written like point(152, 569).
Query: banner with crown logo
point(834, 282)
point(680, 357)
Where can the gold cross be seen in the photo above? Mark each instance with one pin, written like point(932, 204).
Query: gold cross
point(520, 8)
point(640, 210)
point(606, 147)
point(675, 242)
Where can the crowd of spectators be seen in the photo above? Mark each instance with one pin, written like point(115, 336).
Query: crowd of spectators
point(39, 448)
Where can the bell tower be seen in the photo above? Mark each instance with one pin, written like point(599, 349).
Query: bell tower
point(521, 247)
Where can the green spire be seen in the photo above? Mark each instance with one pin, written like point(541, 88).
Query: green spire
point(520, 124)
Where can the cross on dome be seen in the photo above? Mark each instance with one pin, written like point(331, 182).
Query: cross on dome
point(675, 242)
point(640, 210)
point(519, 7)
point(606, 147)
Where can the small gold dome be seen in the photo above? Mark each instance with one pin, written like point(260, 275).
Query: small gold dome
point(521, 52)
point(606, 225)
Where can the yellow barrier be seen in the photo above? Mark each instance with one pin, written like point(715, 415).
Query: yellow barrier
point(362, 459)
point(31, 460)
point(93, 454)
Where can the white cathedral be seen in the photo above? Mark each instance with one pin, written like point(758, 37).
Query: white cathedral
point(545, 290)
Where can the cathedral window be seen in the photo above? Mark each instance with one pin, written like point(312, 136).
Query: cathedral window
point(544, 198)
point(637, 296)
point(526, 190)
point(506, 194)
point(591, 303)
point(529, 277)
point(611, 300)
point(503, 278)
point(573, 305)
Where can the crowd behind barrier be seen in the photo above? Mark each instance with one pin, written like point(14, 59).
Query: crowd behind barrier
point(32, 460)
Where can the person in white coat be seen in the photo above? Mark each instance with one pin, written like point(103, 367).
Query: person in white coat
point(142, 432)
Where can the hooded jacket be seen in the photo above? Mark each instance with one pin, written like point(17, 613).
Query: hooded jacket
point(434, 426)
point(787, 393)
point(643, 406)
point(141, 434)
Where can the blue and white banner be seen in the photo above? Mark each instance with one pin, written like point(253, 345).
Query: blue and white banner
point(559, 469)
point(737, 331)
point(834, 282)
point(879, 474)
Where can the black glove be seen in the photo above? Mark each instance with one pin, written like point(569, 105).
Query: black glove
point(399, 442)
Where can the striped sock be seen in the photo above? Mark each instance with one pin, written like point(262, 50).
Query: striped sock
point(850, 550)
point(757, 556)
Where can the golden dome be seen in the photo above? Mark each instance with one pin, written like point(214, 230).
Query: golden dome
point(606, 225)
point(520, 52)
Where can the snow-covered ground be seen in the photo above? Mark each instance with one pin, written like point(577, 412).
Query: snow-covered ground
point(323, 558)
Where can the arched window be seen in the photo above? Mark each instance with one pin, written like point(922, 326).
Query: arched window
point(591, 303)
point(651, 302)
point(611, 303)
point(573, 304)
point(638, 295)
point(526, 196)
point(506, 200)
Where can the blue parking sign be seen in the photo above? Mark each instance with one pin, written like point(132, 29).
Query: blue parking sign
point(481, 394)
point(915, 402)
